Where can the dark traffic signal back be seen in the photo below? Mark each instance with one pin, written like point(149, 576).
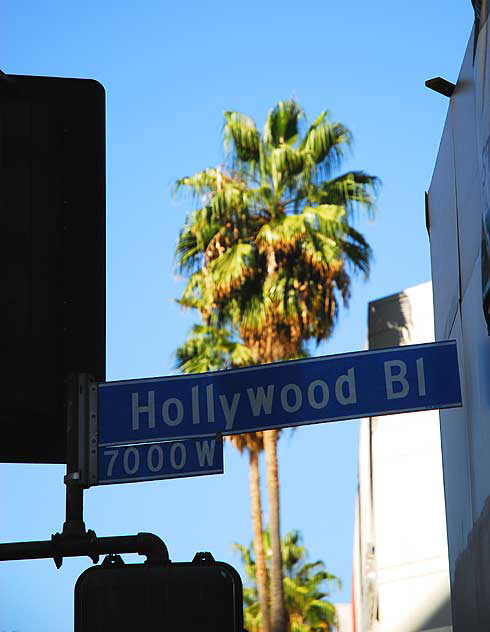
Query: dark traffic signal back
point(52, 196)
point(202, 595)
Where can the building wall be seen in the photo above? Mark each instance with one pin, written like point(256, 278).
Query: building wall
point(344, 617)
point(401, 579)
point(458, 200)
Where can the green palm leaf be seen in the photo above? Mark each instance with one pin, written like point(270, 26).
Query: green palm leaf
point(306, 586)
point(230, 270)
point(200, 183)
point(211, 348)
point(242, 137)
point(352, 190)
point(282, 123)
point(282, 233)
point(325, 142)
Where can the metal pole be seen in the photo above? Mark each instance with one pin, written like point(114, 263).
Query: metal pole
point(147, 544)
point(75, 409)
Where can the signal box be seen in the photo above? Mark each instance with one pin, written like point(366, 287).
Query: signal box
point(202, 595)
point(52, 258)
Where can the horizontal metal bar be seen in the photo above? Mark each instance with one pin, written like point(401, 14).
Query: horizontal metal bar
point(143, 543)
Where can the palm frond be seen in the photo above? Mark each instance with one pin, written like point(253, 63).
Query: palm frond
point(325, 142)
point(242, 137)
point(200, 183)
point(252, 313)
point(230, 270)
point(288, 161)
point(357, 252)
point(247, 558)
point(211, 348)
point(194, 238)
point(353, 190)
point(282, 233)
point(231, 202)
point(282, 123)
point(323, 222)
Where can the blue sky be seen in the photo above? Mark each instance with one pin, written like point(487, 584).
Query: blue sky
point(170, 70)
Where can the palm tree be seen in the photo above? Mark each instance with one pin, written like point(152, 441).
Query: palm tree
point(271, 248)
point(210, 348)
point(306, 588)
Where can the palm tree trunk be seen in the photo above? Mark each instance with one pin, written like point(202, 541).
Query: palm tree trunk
point(278, 610)
point(258, 539)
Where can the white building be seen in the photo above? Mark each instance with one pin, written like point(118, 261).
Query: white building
point(458, 213)
point(344, 617)
point(400, 574)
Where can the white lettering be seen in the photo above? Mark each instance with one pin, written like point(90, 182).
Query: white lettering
point(399, 377)
point(210, 403)
point(183, 456)
point(150, 461)
point(229, 411)
point(324, 394)
point(137, 410)
point(113, 454)
point(259, 399)
point(179, 409)
point(205, 452)
point(298, 397)
point(350, 381)
point(136, 460)
point(195, 405)
point(421, 376)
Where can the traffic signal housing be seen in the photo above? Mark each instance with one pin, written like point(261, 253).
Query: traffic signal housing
point(201, 595)
point(52, 197)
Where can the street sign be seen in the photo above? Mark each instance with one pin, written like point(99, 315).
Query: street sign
point(170, 459)
point(330, 388)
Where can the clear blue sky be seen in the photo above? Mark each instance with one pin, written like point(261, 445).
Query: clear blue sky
point(170, 70)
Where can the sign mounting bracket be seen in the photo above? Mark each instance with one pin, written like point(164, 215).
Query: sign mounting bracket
point(81, 415)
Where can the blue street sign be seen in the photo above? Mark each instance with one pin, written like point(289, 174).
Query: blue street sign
point(331, 388)
point(170, 459)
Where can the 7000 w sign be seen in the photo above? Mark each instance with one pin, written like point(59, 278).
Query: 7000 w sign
point(170, 459)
